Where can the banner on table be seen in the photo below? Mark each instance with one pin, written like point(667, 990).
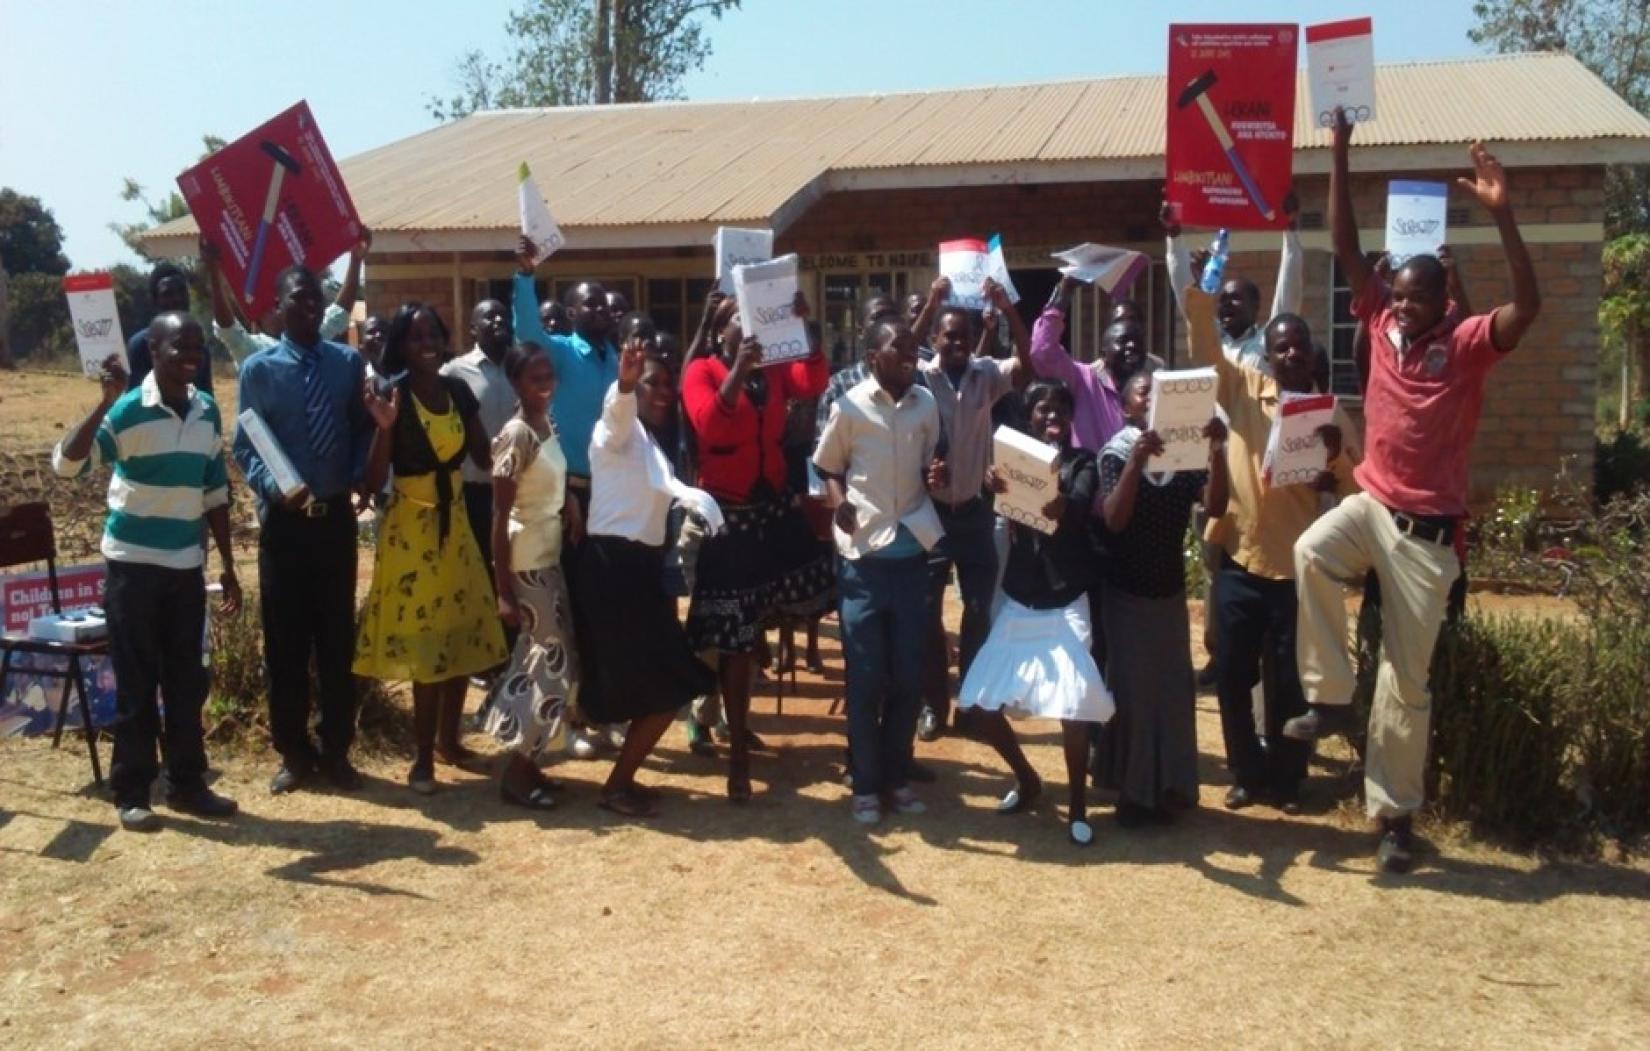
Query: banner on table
point(29, 704)
point(537, 224)
point(767, 308)
point(736, 247)
point(1417, 218)
point(1183, 403)
point(967, 262)
point(270, 199)
point(96, 320)
point(1030, 469)
point(1231, 124)
point(1340, 68)
point(1295, 453)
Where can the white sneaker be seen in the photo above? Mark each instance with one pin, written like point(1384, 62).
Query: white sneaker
point(582, 745)
point(905, 801)
point(867, 809)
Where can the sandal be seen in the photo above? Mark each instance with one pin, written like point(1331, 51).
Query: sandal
point(626, 804)
point(537, 798)
point(421, 778)
point(1020, 798)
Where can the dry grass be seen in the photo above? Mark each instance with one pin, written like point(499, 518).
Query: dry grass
point(387, 920)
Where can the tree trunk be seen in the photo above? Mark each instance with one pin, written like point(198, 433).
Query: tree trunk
point(601, 52)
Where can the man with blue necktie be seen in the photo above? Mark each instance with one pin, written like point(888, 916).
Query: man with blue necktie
point(308, 391)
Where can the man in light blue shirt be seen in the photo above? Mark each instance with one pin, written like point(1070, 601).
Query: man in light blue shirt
point(308, 393)
point(587, 363)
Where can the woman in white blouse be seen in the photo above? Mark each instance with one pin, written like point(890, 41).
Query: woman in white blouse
point(527, 710)
point(636, 661)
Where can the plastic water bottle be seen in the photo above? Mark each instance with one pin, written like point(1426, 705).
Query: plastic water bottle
point(1215, 268)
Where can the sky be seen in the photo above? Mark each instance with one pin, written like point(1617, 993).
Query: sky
point(93, 91)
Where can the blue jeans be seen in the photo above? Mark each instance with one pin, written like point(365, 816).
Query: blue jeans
point(884, 613)
point(968, 544)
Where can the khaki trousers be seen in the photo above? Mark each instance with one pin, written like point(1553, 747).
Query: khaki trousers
point(1333, 555)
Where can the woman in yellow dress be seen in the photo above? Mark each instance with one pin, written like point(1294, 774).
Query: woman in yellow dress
point(430, 615)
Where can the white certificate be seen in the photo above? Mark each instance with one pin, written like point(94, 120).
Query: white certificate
point(736, 247)
point(1340, 67)
point(1183, 403)
point(998, 267)
point(270, 452)
point(767, 308)
point(1030, 469)
point(1417, 218)
point(1295, 453)
point(967, 263)
point(536, 221)
point(96, 320)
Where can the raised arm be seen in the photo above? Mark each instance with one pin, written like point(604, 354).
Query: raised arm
point(1175, 259)
point(1286, 297)
point(1343, 225)
point(1453, 286)
point(938, 292)
point(1048, 358)
point(702, 339)
point(351, 288)
point(1489, 186)
point(524, 300)
point(70, 458)
point(223, 315)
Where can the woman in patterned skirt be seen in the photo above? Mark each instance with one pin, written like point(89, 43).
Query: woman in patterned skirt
point(429, 617)
point(527, 711)
point(768, 562)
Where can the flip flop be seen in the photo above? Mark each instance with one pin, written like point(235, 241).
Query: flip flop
point(627, 804)
point(1018, 800)
point(1081, 833)
point(538, 798)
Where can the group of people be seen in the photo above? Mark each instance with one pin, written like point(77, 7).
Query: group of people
point(554, 491)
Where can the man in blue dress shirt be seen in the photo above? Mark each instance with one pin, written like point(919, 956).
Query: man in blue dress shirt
point(308, 392)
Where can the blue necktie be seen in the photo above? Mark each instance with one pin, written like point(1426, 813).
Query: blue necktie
point(318, 417)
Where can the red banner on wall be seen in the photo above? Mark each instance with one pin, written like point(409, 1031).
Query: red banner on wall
point(270, 199)
point(1231, 124)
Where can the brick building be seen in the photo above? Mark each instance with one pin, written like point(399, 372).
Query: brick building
point(865, 187)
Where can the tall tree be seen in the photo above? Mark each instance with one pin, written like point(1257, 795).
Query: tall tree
point(31, 242)
point(1624, 315)
point(1609, 37)
point(159, 211)
point(579, 52)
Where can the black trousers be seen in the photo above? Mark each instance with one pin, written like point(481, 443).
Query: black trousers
point(306, 582)
point(157, 617)
point(1257, 615)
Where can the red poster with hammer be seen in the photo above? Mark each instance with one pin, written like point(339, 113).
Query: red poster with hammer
point(271, 198)
point(1231, 124)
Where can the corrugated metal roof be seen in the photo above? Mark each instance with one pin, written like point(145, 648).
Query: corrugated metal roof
point(740, 162)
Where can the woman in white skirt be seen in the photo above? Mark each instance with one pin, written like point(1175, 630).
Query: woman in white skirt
point(1036, 661)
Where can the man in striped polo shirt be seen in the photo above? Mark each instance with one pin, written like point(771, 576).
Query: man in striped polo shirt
point(164, 439)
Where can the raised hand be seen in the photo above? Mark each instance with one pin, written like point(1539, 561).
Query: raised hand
point(358, 251)
point(749, 356)
point(1292, 208)
point(713, 303)
point(1169, 216)
point(799, 305)
point(1489, 181)
point(940, 290)
point(382, 410)
point(1149, 444)
point(1215, 431)
point(1342, 130)
point(207, 251)
point(526, 253)
point(632, 357)
point(112, 376)
point(1331, 435)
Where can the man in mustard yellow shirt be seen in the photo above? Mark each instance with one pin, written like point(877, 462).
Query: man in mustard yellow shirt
point(1255, 601)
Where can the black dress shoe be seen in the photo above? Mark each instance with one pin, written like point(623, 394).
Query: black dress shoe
point(343, 776)
point(288, 778)
point(922, 775)
point(1396, 854)
point(202, 802)
point(1321, 720)
point(929, 725)
point(1238, 797)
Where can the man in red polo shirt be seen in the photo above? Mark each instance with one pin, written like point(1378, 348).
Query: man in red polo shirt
point(1427, 369)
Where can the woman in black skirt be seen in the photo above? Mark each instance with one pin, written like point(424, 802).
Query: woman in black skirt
point(636, 662)
point(768, 562)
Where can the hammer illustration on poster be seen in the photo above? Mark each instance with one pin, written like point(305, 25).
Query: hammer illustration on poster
point(283, 164)
point(1197, 92)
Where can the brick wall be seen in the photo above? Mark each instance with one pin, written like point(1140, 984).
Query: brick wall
point(1539, 403)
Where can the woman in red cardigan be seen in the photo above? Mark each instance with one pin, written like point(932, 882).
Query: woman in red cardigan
point(767, 562)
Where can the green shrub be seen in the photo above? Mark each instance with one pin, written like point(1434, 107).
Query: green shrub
point(1621, 464)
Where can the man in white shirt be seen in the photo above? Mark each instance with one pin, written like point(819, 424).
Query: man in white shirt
point(877, 459)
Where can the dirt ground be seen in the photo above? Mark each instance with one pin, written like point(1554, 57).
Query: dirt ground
point(384, 919)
